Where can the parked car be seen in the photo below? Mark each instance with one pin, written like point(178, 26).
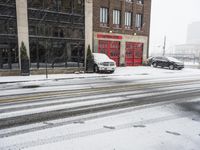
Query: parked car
point(102, 63)
point(169, 62)
point(149, 61)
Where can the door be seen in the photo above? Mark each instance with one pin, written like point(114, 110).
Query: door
point(165, 62)
point(114, 51)
point(129, 57)
point(110, 48)
point(138, 53)
point(134, 53)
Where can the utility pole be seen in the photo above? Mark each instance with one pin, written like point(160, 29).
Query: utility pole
point(164, 45)
point(199, 58)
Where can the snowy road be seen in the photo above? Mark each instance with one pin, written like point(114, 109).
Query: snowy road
point(63, 104)
point(43, 106)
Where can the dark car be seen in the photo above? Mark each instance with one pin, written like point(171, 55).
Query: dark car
point(149, 61)
point(169, 62)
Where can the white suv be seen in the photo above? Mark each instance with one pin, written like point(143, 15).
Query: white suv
point(102, 63)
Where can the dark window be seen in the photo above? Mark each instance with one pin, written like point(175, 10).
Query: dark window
point(51, 5)
point(8, 35)
point(7, 2)
point(66, 6)
point(36, 3)
point(54, 29)
point(78, 6)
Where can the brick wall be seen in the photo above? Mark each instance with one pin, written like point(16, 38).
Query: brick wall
point(123, 6)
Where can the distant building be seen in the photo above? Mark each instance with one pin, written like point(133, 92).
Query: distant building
point(191, 49)
point(57, 33)
point(193, 33)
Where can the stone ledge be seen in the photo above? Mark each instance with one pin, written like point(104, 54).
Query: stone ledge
point(43, 71)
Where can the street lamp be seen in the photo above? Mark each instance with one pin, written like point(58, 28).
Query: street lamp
point(164, 46)
point(46, 57)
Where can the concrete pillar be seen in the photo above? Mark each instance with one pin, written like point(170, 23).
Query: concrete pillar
point(123, 5)
point(122, 53)
point(88, 25)
point(22, 25)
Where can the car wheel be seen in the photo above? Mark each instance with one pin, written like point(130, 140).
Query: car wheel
point(171, 67)
point(96, 69)
point(154, 64)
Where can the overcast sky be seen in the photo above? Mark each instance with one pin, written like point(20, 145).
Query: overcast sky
point(171, 18)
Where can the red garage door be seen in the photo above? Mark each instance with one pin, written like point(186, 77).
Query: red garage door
point(110, 48)
point(133, 54)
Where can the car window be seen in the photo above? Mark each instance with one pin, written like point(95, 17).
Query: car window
point(165, 59)
point(173, 59)
point(100, 57)
point(158, 58)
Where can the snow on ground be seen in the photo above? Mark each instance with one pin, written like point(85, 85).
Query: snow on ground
point(153, 128)
point(76, 103)
point(120, 71)
point(16, 84)
point(166, 127)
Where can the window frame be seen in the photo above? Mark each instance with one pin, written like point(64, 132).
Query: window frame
point(128, 20)
point(104, 16)
point(138, 21)
point(116, 18)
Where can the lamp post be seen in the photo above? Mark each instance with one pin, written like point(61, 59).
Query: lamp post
point(46, 57)
point(78, 53)
point(164, 46)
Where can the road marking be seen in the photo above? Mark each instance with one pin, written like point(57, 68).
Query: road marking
point(128, 87)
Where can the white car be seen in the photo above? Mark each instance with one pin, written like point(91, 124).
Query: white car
point(102, 63)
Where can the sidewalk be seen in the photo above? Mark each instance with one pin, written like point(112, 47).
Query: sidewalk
point(133, 72)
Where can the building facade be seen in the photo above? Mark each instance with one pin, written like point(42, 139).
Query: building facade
point(8, 35)
point(121, 30)
point(53, 32)
point(57, 33)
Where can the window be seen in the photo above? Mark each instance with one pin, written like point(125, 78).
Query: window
point(35, 3)
point(8, 35)
point(78, 6)
point(116, 18)
point(104, 16)
point(138, 21)
point(128, 20)
point(50, 5)
point(66, 6)
point(56, 32)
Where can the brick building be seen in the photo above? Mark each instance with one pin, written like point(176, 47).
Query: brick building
point(57, 33)
point(121, 30)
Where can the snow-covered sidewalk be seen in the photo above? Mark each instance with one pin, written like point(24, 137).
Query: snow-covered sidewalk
point(152, 126)
point(166, 127)
point(134, 72)
point(56, 82)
